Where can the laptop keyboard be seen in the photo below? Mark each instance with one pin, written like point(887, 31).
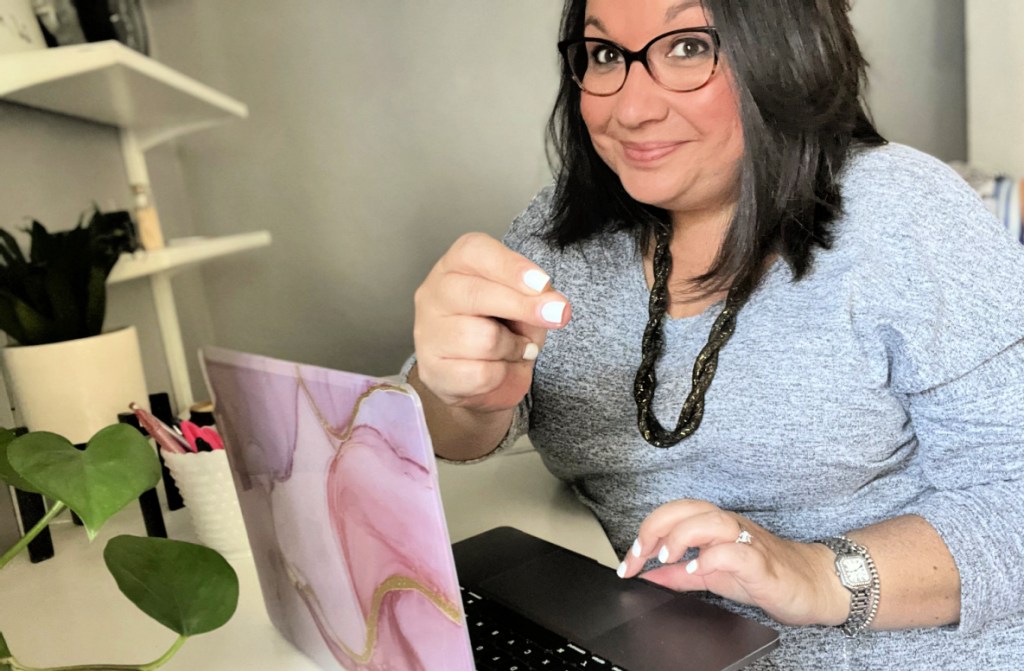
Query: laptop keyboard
point(505, 641)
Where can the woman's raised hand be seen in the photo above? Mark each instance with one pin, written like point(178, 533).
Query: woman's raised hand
point(482, 316)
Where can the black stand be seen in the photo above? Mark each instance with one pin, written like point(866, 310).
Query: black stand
point(32, 509)
point(149, 502)
point(160, 406)
point(152, 516)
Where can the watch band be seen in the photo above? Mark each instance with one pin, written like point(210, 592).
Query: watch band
point(863, 598)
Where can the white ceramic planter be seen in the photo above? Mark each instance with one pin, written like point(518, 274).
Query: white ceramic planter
point(77, 387)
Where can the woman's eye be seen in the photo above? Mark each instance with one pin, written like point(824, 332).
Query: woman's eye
point(605, 55)
point(689, 47)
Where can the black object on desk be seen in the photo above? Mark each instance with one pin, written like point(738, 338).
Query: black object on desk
point(160, 406)
point(201, 414)
point(32, 508)
point(149, 501)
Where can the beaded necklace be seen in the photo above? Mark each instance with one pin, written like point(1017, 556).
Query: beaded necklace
point(653, 342)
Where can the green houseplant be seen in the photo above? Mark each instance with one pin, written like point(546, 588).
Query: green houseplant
point(58, 292)
point(188, 588)
point(67, 374)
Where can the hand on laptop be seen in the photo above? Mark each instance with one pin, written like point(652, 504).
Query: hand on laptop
point(740, 561)
point(482, 316)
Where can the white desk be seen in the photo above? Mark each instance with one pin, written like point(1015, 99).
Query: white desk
point(68, 610)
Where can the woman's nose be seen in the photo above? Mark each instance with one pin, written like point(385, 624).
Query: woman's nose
point(641, 99)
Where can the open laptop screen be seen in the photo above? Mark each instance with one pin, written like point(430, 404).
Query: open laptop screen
point(338, 487)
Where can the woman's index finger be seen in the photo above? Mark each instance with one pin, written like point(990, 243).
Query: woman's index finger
point(480, 254)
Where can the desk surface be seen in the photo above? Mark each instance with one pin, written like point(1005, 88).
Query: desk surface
point(68, 610)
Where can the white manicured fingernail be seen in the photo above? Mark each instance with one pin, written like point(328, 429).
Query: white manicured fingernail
point(636, 548)
point(531, 352)
point(621, 571)
point(536, 280)
point(663, 554)
point(692, 566)
point(552, 312)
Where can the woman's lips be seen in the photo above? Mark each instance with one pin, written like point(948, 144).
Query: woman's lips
point(648, 152)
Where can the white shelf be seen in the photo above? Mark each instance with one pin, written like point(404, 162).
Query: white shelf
point(149, 103)
point(109, 83)
point(182, 253)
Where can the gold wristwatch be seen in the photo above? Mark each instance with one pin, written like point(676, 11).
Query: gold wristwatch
point(858, 574)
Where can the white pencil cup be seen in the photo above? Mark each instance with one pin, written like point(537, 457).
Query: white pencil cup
point(204, 479)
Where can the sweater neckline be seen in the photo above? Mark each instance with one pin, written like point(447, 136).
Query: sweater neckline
point(642, 294)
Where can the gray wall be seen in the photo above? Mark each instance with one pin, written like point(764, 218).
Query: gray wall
point(916, 53)
point(378, 133)
point(995, 94)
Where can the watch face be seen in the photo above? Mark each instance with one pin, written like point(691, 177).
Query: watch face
point(853, 570)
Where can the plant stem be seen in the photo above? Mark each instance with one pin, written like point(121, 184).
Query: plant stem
point(166, 656)
point(57, 508)
point(163, 659)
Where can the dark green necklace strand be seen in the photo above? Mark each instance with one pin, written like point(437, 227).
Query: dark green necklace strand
point(703, 368)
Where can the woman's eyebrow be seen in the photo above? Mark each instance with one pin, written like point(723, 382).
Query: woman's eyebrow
point(596, 22)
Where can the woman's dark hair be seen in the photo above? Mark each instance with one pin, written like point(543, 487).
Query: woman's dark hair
point(799, 75)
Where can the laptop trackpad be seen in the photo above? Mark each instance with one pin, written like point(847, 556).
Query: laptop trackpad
point(572, 595)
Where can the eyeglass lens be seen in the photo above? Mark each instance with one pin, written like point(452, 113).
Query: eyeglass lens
point(678, 61)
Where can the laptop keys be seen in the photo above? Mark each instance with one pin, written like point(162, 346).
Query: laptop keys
point(504, 641)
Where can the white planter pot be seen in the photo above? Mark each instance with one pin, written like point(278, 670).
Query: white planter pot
point(77, 387)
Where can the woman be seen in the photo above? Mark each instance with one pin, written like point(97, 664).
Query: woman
point(847, 458)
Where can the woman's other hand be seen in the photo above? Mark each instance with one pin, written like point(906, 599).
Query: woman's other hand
point(482, 316)
point(794, 583)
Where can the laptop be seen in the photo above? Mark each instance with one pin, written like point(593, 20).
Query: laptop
point(338, 488)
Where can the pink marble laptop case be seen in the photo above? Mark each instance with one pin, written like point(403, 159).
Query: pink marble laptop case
point(338, 487)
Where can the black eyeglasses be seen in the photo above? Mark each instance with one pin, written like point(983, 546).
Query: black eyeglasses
point(680, 60)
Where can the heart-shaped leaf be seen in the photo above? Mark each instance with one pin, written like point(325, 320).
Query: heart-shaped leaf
point(115, 468)
point(8, 474)
point(188, 588)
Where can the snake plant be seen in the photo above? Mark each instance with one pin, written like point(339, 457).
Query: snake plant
point(59, 291)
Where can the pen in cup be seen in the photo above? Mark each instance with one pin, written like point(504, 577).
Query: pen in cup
point(164, 435)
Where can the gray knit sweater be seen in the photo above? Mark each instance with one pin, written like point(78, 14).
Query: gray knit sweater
point(888, 381)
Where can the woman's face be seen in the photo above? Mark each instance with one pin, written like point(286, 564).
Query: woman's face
point(677, 151)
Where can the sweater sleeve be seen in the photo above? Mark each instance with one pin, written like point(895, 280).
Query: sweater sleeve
point(971, 436)
point(941, 296)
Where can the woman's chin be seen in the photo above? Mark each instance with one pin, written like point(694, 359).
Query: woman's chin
point(643, 193)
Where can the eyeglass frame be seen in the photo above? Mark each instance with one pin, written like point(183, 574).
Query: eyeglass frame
point(640, 56)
